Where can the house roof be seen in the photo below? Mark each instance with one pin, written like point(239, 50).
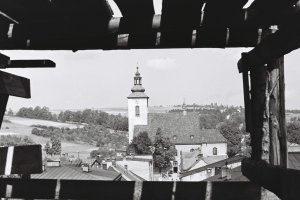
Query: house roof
point(179, 128)
point(75, 173)
point(236, 175)
point(190, 159)
point(137, 95)
point(221, 163)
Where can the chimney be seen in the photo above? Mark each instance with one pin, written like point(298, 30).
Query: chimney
point(224, 172)
point(228, 177)
point(85, 168)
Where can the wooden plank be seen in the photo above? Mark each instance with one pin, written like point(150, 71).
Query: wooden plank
point(84, 189)
point(4, 60)
point(14, 85)
point(260, 129)
point(283, 182)
point(30, 64)
point(247, 102)
point(21, 160)
point(282, 118)
point(3, 103)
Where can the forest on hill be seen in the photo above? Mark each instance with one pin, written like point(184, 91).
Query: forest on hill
point(87, 116)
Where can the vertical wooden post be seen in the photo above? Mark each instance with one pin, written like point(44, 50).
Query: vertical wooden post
point(260, 129)
point(3, 103)
point(278, 143)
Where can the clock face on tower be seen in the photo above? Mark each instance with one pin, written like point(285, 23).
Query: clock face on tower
point(136, 102)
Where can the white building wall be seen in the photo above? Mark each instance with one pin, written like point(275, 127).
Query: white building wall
point(207, 149)
point(187, 148)
point(132, 119)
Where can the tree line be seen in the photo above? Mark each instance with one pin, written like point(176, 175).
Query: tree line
point(88, 116)
point(12, 140)
point(90, 134)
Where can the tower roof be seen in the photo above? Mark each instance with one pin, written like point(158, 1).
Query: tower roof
point(137, 90)
point(137, 73)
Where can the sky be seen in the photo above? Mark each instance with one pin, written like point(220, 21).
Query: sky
point(103, 79)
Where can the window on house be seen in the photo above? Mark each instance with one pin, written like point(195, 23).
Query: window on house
point(215, 151)
point(137, 111)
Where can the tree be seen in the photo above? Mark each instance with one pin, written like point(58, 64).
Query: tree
point(56, 145)
point(164, 152)
point(234, 137)
point(48, 148)
point(293, 132)
point(140, 144)
point(10, 112)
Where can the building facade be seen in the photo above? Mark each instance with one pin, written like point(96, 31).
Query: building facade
point(182, 128)
point(137, 105)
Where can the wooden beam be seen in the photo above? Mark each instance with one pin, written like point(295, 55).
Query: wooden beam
point(14, 85)
point(285, 40)
point(283, 182)
point(4, 60)
point(278, 140)
point(260, 129)
point(125, 190)
point(3, 103)
point(21, 160)
point(30, 64)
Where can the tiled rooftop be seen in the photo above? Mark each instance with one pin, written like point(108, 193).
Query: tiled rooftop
point(181, 126)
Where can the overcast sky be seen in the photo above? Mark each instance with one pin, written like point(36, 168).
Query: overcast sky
point(98, 79)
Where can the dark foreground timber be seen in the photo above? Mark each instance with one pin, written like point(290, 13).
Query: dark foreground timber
point(21, 160)
point(283, 182)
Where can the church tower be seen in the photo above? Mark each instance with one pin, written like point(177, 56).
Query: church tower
point(137, 105)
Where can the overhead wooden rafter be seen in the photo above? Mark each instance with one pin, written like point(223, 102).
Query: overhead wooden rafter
point(5, 62)
point(89, 24)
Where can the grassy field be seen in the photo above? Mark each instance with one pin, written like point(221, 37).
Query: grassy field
point(22, 127)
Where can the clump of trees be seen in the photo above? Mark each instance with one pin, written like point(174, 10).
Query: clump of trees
point(140, 144)
point(88, 116)
point(95, 117)
point(164, 151)
point(12, 140)
point(36, 113)
point(234, 137)
point(90, 134)
point(103, 152)
point(55, 147)
point(293, 132)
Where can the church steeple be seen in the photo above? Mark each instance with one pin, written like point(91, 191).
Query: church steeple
point(137, 82)
point(137, 77)
point(137, 105)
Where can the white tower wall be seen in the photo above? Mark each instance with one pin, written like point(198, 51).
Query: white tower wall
point(133, 119)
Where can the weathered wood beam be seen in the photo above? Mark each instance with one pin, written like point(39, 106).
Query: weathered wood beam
point(277, 131)
point(259, 133)
point(128, 190)
point(283, 182)
point(3, 103)
point(3, 60)
point(30, 64)
point(81, 33)
point(14, 85)
point(285, 40)
point(21, 160)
